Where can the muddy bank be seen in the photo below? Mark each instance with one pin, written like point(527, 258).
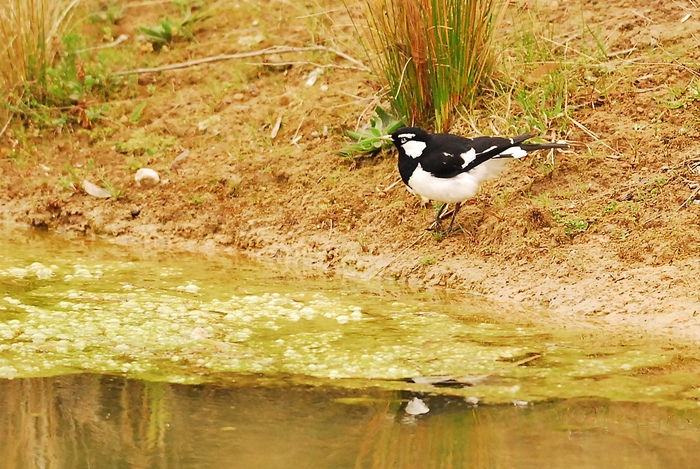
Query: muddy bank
point(605, 234)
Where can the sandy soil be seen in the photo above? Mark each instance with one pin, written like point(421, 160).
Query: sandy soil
point(635, 263)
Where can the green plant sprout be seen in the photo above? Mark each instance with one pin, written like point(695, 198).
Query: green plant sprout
point(368, 140)
point(165, 33)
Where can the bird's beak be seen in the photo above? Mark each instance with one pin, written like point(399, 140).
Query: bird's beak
point(386, 137)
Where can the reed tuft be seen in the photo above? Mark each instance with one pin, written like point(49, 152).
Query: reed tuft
point(433, 53)
point(30, 40)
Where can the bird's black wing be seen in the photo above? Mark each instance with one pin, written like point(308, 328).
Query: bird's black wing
point(448, 155)
point(442, 157)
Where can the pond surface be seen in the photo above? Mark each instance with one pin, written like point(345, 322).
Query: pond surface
point(150, 358)
point(91, 421)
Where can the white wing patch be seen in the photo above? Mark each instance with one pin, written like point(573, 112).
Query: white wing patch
point(468, 157)
point(514, 152)
point(413, 148)
point(487, 150)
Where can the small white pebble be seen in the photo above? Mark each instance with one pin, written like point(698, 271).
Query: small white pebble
point(146, 177)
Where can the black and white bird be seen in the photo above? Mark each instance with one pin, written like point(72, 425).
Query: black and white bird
point(449, 169)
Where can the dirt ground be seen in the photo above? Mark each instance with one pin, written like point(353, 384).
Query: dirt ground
point(605, 234)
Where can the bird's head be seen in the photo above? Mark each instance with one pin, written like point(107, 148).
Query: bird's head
point(409, 140)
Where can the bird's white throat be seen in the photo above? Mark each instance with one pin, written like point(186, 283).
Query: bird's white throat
point(413, 148)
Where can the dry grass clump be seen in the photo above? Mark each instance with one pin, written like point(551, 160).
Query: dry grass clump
point(433, 53)
point(30, 39)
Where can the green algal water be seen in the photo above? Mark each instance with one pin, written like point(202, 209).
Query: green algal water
point(71, 307)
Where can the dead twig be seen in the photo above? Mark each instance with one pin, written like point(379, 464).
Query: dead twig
point(575, 51)
point(679, 63)
point(675, 64)
point(692, 196)
point(622, 52)
point(653, 218)
point(284, 64)
point(590, 133)
point(243, 55)
point(389, 187)
point(297, 137)
point(641, 15)
point(320, 13)
point(526, 360)
point(116, 42)
point(653, 88)
point(145, 4)
point(4, 127)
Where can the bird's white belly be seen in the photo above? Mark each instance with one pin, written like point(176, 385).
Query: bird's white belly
point(457, 189)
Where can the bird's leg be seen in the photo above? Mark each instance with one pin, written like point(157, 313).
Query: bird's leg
point(454, 214)
point(438, 217)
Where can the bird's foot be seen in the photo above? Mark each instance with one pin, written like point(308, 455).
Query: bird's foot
point(435, 227)
point(440, 233)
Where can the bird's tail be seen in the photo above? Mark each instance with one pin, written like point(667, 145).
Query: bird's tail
point(541, 146)
point(535, 146)
point(518, 150)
